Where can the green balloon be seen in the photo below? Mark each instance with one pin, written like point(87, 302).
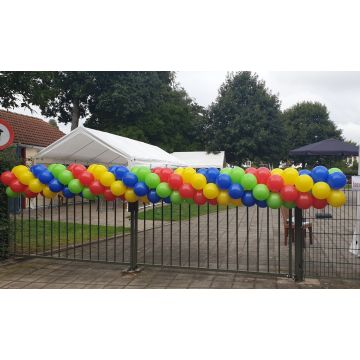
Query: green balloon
point(75, 186)
point(261, 192)
point(163, 190)
point(87, 194)
point(142, 172)
point(332, 170)
point(175, 197)
point(135, 169)
point(58, 169)
point(10, 193)
point(236, 175)
point(152, 180)
point(51, 167)
point(65, 177)
point(274, 201)
point(289, 204)
point(248, 181)
point(226, 171)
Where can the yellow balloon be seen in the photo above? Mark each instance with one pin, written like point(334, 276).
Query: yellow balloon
point(179, 171)
point(19, 169)
point(223, 198)
point(290, 175)
point(98, 171)
point(198, 181)
point(118, 188)
point(211, 191)
point(130, 196)
point(144, 199)
point(336, 198)
point(304, 183)
point(36, 186)
point(107, 178)
point(188, 174)
point(91, 168)
point(48, 193)
point(277, 171)
point(236, 202)
point(321, 190)
point(26, 177)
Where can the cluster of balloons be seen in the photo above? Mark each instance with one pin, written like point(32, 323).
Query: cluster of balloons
point(253, 186)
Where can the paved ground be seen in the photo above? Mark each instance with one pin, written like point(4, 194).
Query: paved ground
point(59, 274)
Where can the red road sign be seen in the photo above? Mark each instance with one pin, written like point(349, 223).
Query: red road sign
point(6, 135)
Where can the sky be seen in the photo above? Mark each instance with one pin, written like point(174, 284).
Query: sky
point(338, 90)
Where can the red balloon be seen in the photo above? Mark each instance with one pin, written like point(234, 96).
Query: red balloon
point(251, 170)
point(108, 195)
point(186, 191)
point(275, 183)
point(165, 173)
point(86, 178)
point(97, 188)
point(175, 181)
point(212, 201)
point(7, 177)
point(29, 194)
point(78, 169)
point(199, 198)
point(71, 166)
point(122, 197)
point(157, 171)
point(319, 204)
point(17, 186)
point(304, 200)
point(289, 193)
point(262, 175)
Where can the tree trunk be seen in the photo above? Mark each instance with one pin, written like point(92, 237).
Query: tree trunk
point(75, 116)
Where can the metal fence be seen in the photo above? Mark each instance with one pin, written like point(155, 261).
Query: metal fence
point(254, 240)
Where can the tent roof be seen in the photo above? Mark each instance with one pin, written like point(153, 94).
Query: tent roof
point(201, 159)
point(327, 147)
point(94, 146)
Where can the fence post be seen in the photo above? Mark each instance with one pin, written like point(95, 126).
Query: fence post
point(133, 209)
point(299, 261)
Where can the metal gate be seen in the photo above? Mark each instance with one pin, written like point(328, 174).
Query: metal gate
point(247, 239)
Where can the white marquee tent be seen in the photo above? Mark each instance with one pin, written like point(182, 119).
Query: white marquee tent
point(93, 146)
point(201, 159)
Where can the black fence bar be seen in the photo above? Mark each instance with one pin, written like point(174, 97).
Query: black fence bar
point(133, 209)
point(299, 272)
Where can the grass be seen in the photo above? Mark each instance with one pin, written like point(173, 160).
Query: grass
point(148, 214)
point(48, 235)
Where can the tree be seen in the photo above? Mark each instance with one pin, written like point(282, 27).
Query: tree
point(308, 122)
point(245, 121)
point(64, 95)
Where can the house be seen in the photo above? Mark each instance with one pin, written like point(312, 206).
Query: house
point(31, 134)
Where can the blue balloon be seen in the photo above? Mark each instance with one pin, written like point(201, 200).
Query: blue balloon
point(223, 181)
point(130, 179)
point(305, 172)
point(236, 191)
point(45, 176)
point(113, 168)
point(55, 185)
point(261, 203)
point(38, 169)
point(319, 173)
point(211, 175)
point(248, 199)
point(167, 200)
point(202, 171)
point(67, 193)
point(153, 196)
point(140, 189)
point(120, 171)
point(336, 180)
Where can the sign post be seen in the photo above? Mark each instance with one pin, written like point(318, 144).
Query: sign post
point(355, 245)
point(6, 135)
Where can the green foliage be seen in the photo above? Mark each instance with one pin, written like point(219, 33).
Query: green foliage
point(245, 121)
point(308, 122)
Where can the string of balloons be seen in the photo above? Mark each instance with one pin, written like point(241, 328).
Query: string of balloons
point(229, 186)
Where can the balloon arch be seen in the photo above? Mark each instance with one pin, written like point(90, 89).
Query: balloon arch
point(230, 186)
